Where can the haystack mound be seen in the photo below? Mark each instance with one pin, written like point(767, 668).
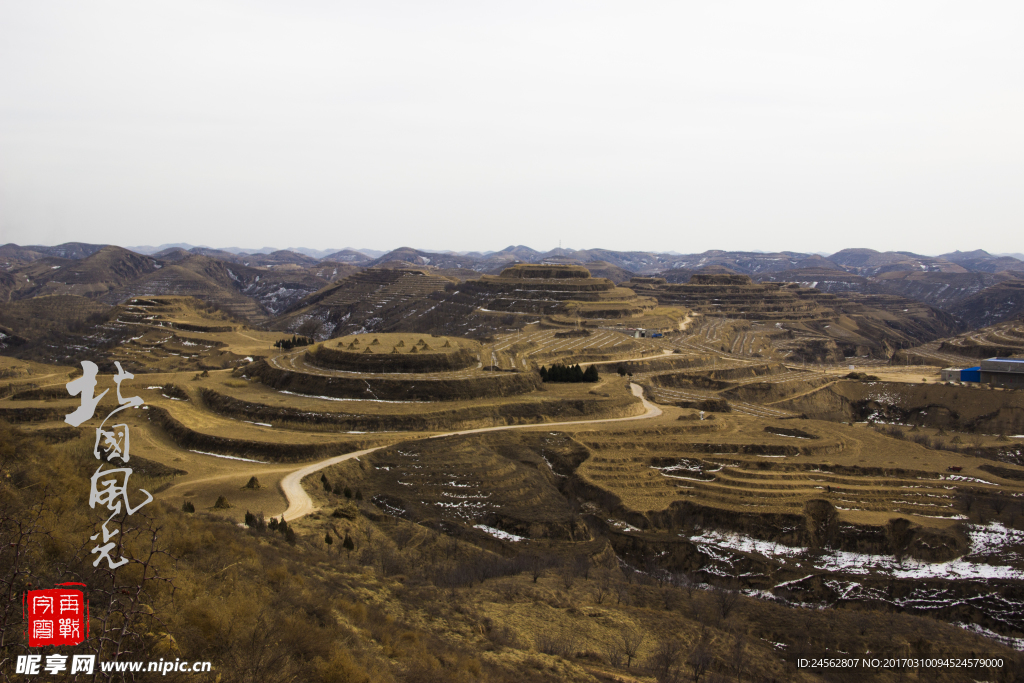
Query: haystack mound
point(408, 354)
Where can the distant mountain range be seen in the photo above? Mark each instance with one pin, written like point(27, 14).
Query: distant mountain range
point(312, 253)
point(867, 262)
point(55, 290)
point(975, 286)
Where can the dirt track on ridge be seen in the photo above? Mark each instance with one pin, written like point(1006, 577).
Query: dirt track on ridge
point(300, 504)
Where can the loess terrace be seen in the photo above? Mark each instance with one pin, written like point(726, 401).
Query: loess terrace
point(737, 448)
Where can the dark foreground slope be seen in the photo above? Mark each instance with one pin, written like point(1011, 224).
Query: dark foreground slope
point(388, 600)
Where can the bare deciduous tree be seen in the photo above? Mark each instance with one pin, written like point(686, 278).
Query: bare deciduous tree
point(582, 565)
point(739, 657)
point(631, 640)
point(726, 600)
point(666, 660)
point(700, 655)
point(536, 565)
point(602, 589)
point(568, 576)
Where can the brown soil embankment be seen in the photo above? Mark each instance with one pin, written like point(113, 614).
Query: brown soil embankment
point(505, 480)
point(191, 327)
point(388, 389)
point(589, 355)
point(382, 361)
point(721, 378)
point(770, 392)
point(686, 381)
point(979, 351)
point(41, 393)
point(926, 544)
point(15, 415)
point(471, 417)
point(713, 448)
point(824, 404)
point(958, 408)
point(190, 439)
point(664, 363)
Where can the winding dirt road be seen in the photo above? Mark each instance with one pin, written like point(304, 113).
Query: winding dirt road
point(300, 504)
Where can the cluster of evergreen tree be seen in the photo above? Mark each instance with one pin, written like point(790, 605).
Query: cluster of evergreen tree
point(338, 489)
point(282, 528)
point(292, 343)
point(569, 373)
point(255, 521)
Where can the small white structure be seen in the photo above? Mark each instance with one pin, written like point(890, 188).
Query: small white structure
point(951, 374)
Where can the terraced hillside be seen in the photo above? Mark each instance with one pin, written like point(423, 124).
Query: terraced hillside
point(747, 479)
point(202, 277)
point(376, 299)
point(38, 317)
point(943, 290)
point(753, 498)
point(800, 323)
point(144, 334)
point(800, 510)
point(749, 464)
point(982, 296)
point(955, 417)
point(1000, 302)
point(1004, 339)
point(93, 276)
point(216, 414)
point(870, 262)
point(564, 295)
point(396, 300)
point(563, 290)
point(831, 281)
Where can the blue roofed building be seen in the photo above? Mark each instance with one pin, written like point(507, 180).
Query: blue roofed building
point(997, 372)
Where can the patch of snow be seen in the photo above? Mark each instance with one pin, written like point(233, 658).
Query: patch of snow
point(957, 477)
point(498, 533)
point(1015, 643)
point(332, 398)
point(230, 457)
point(983, 539)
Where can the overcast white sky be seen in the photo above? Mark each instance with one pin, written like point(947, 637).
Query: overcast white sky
point(473, 125)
